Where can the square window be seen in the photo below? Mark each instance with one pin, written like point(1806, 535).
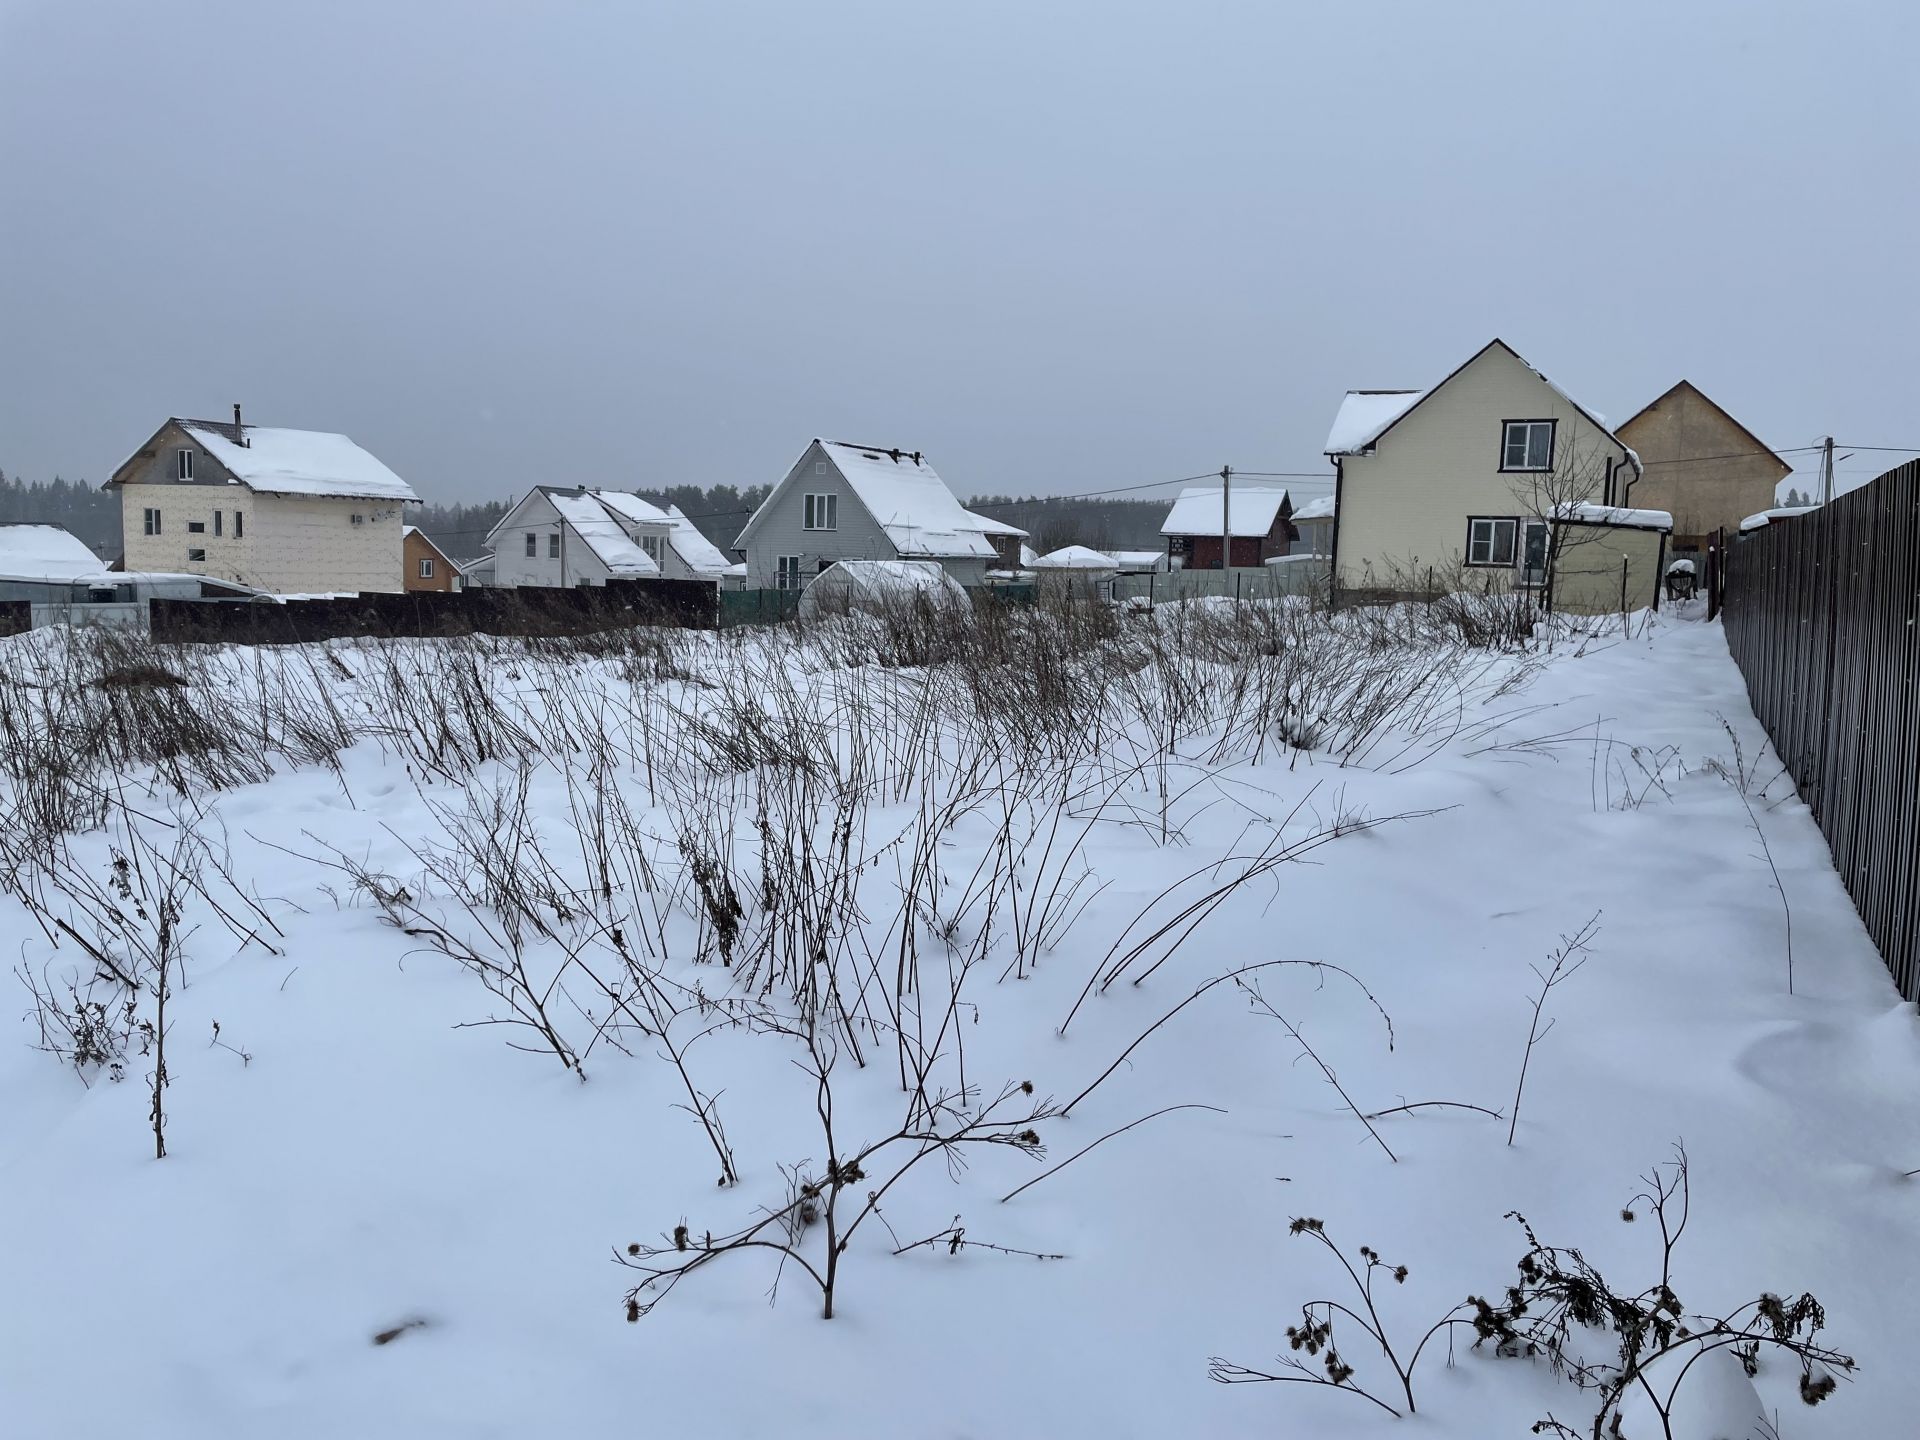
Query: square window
point(183, 464)
point(1490, 540)
point(822, 512)
point(1527, 445)
point(198, 557)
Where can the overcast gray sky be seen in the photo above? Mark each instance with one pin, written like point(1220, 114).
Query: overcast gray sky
point(1057, 247)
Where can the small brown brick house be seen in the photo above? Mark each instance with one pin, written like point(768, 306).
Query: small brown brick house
point(1262, 522)
point(427, 565)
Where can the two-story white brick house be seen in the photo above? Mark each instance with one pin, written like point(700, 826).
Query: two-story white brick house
point(287, 511)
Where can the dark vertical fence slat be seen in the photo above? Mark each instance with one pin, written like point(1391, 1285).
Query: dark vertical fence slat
point(1822, 614)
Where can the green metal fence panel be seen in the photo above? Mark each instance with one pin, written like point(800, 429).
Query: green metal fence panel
point(757, 607)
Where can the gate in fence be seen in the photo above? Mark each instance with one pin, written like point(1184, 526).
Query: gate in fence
point(1822, 614)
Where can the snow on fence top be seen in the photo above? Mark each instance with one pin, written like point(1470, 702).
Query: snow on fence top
point(1779, 512)
point(1197, 510)
point(908, 499)
point(602, 534)
point(299, 462)
point(44, 553)
point(1365, 415)
point(1619, 516)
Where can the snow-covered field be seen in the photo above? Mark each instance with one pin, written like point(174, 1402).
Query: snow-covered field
point(976, 877)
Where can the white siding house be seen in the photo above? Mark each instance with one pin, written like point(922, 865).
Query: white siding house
point(565, 537)
point(862, 502)
point(287, 511)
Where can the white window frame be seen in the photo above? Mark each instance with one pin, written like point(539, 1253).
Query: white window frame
point(1485, 533)
point(651, 544)
point(196, 556)
point(533, 545)
point(426, 567)
point(553, 546)
point(1527, 432)
point(821, 511)
point(196, 527)
point(183, 464)
point(787, 575)
point(150, 520)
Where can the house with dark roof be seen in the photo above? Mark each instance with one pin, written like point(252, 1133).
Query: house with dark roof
point(287, 511)
point(1700, 465)
point(1490, 478)
point(841, 501)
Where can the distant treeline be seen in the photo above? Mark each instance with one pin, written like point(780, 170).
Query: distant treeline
point(89, 512)
point(1102, 524)
point(719, 511)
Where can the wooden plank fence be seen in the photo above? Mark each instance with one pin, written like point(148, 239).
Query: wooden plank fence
point(1822, 614)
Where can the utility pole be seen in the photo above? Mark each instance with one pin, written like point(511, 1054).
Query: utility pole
point(1226, 522)
point(1826, 471)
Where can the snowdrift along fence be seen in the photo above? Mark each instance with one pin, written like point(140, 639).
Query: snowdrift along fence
point(1822, 614)
point(619, 604)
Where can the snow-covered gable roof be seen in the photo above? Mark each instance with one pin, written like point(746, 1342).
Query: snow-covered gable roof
point(298, 462)
point(987, 525)
point(1252, 510)
point(601, 534)
point(1321, 509)
point(908, 499)
point(1075, 557)
point(44, 553)
point(696, 552)
point(1365, 415)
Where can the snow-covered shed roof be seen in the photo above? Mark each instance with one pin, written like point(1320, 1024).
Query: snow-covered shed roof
point(1619, 516)
point(1365, 415)
point(905, 496)
point(1141, 559)
point(1321, 509)
point(989, 526)
point(1252, 510)
point(1779, 512)
point(297, 462)
point(601, 534)
point(1075, 557)
point(46, 553)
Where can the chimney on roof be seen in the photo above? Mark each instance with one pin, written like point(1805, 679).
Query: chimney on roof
point(239, 433)
point(916, 457)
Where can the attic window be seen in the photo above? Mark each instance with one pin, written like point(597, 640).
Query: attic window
point(822, 512)
point(183, 464)
point(1527, 445)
